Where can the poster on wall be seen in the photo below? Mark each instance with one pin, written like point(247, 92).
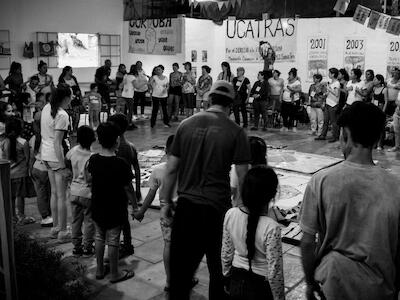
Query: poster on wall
point(194, 56)
point(354, 53)
point(79, 50)
point(317, 56)
point(243, 39)
point(156, 36)
point(393, 59)
point(204, 56)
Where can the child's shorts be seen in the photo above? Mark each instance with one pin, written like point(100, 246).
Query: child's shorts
point(110, 237)
point(166, 229)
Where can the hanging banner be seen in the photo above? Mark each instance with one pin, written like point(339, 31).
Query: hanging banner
point(383, 22)
point(317, 56)
point(156, 36)
point(341, 6)
point(361, 14)
point(354, 53)
point(393, 59)
point(373, 19)
point(250, 40)
point(394, 26)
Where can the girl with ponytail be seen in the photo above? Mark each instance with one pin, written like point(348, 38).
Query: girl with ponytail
point(251, 247)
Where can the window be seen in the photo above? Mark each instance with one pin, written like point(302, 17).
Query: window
point(110, 48)
point(5, 51)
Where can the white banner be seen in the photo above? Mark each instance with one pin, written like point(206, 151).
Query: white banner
point(354, 53)
point(317, 50)
point(243, 39)
point(393, 55)
point(157, 36)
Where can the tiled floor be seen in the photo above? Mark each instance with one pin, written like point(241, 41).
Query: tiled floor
point(147, 261)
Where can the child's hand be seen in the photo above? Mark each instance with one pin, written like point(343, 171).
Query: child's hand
point(138, 215)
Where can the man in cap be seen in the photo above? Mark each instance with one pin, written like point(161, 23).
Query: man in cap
point(205, 147)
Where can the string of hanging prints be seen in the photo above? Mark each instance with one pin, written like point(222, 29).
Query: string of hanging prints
point(376, 20)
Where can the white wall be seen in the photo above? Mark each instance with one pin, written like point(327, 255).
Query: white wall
point(24, 18)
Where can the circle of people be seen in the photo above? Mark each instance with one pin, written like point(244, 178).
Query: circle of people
point(34, 126)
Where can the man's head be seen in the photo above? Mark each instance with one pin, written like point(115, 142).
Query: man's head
point(168, 145)
point(108, 134)
point(121, 121)
point(85, 137)
point(107, 63)
point(222, 93)
point(362, 125)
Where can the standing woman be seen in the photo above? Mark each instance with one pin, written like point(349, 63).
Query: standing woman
point(317, 95)
point(188, 84)
point(175, 92)
point(120, 75)
point(141, 90)
point(368, 86)
point(290, 100)
point(46, 85)
point(128, 90)
point(54, 124)
point(259, 93)
point(276, 85)
point(15, 83)
point(159, 84)
point(379, 98)
point(343, 78)
point(226, 73)
point(203, 88)
point(68, 80)
point(242, 87)
point(393, 88)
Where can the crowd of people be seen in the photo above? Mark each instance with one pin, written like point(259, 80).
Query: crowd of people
point(215, 186)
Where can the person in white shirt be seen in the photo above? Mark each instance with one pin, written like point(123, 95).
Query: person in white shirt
point(129, 84)
point(331, 107)
point(354, 85)
point(393, 88)
point(251, 246)
point(276, 86)
point(290, 100)
point(159, 84)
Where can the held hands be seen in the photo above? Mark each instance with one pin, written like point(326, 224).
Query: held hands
point(313, 292)
point(138, 215)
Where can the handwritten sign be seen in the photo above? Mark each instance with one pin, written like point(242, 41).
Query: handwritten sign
point(156, 36)
point(354, 53)
point(393, 59)
point(243, 39)
point(317, 56)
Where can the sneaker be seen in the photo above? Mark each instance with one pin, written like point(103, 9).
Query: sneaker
point(294, 129)
point(54, 232)
point(379, 148)
point(167, 126)
point(77, 251)
point(64, 235)
point(254, 128)
point(394, 149)
point(47, 222)
point(135, 118)
point(88, 251)
point(144, 117)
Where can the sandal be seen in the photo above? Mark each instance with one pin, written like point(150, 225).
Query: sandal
point(106, 271)
point(128, 274)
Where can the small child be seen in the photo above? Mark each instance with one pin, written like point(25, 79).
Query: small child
point(155, 184)
point(251, 247)
point(93, 99)
point(6, 111)
point(81, 193)
point(16, 149)
point(111, 191)
point(127, 151)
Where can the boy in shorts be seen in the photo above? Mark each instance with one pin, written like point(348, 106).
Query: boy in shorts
point(93, 99)
point(155, 184)
point(111, 191)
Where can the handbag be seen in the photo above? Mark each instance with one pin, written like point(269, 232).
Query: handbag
point(28, 50)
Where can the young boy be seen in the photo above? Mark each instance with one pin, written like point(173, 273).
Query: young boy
point(156, 183)
point(111, 191)
point(93, 99)
point(81, 193)
point(127, 151)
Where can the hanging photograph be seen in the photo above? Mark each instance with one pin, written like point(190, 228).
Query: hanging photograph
point(194, 55)
point(78, 50)
point(204, 56)
point(5, 43)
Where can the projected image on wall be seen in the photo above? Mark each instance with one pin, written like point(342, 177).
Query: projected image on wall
point(78, 50)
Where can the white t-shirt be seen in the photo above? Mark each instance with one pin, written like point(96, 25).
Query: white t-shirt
point(160, 87)
point(276, 86)
point(331, 99)
point(128, 90)
point(287, 94)
point(156, 182)
point(352, 95)
point(48, 131)
point(44, 80)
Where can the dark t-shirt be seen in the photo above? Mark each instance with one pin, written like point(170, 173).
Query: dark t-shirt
point(208, 144)
point(110, 175)
point(240, 87)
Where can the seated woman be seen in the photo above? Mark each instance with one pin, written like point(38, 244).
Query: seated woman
point(251, 246)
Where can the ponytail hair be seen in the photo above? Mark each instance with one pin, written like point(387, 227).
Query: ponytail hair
point(57, 98)
point(13, 131)
point(65, 70)
point(259, 188)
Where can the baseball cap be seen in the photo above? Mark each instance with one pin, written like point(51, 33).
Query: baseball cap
point(223, 88)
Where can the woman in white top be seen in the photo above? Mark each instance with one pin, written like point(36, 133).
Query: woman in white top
point(159, 84)
point(355, 84)
point(46, 84)
point(54, 124)
point(290, 100)
point(276, 86)
point(141, 90)
point(226, 73)
point(251, 246)
point(393, 89)
point(129, 83)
